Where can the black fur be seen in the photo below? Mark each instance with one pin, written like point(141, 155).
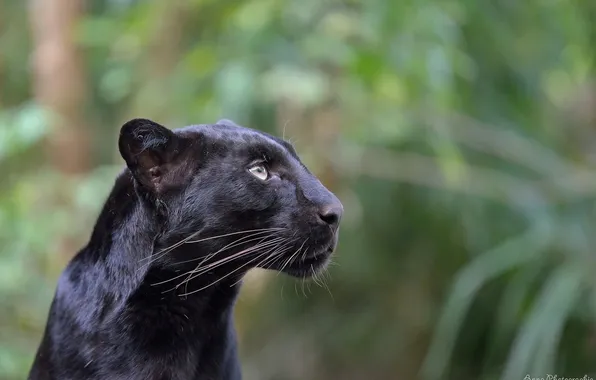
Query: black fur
point(122, 308)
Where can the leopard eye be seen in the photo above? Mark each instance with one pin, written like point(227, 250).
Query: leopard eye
point(259, 171)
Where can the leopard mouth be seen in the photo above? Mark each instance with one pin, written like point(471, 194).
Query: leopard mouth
point(310, 265)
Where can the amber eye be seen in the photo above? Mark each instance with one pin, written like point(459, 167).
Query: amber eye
point(259, 171)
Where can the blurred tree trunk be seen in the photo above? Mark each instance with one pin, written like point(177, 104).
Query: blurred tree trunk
point(59, 85)
point(59, 81)
point(163, 54)
point(153, 99)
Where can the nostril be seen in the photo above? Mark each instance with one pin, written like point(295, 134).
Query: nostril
point(329, 218)
point(330, 215)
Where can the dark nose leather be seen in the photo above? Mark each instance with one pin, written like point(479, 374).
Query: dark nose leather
point(331, 214)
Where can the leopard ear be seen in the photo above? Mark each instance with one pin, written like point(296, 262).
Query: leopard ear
point(147, 147)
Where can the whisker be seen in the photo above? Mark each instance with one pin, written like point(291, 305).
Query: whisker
point(187, 261)
point(274, 251)
point(302, 286)
point(220, 279)
point(199, 271)
point(278, 254)
point(230, 245)
point(324, 283)
point(213, 254)
point(292, 256)
point(239, 254)
point(238, 232)
point(187, 239)
point(269, 264)
point(163, 252)
point(314, 275)
point(304, 254)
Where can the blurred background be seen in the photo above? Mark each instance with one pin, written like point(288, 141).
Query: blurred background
point(460, 136)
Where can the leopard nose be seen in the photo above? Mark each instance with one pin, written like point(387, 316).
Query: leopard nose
point(331, 214)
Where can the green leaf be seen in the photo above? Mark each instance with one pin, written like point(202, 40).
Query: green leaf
point(486, 266)
point(534, 350)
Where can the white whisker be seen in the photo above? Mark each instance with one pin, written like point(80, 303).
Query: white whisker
point(218, 280)
point(292, 256)
point(201, 270)
point(186, 273)
point(186, 240)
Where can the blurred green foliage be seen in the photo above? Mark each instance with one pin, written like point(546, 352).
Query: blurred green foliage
point(458, 134)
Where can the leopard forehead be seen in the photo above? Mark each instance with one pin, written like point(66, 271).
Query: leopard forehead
point(235, 137)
